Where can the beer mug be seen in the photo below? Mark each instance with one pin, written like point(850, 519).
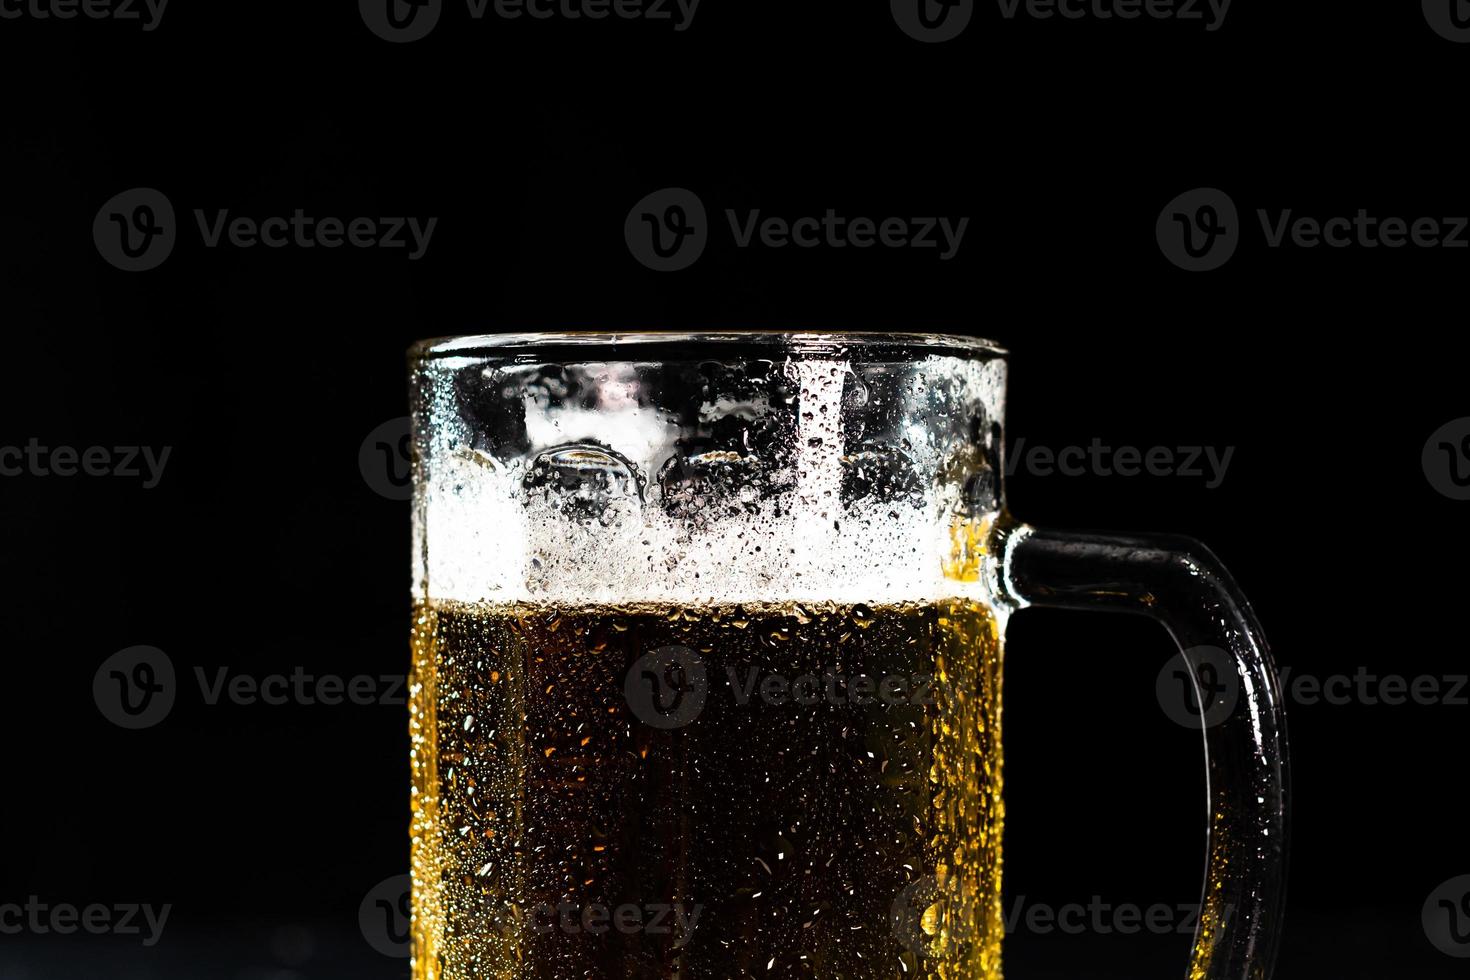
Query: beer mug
point(707, 662)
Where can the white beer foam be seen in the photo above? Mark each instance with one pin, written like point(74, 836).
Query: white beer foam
point(481, 536)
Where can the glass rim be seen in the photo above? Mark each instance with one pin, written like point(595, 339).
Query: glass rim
point(802, 341)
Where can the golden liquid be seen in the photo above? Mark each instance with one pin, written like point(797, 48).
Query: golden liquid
point(822, 837)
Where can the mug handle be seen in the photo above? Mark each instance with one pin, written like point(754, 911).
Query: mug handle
point(1178, 582)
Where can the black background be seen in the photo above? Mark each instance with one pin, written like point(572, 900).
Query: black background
point(263, 549)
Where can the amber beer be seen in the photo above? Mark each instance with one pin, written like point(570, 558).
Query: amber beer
point(819, 793)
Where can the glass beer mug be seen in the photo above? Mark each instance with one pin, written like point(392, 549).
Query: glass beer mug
point(707, 662)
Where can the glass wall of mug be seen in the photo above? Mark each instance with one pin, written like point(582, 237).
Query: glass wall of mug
point(706, 656)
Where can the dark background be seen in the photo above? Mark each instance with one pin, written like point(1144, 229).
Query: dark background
point(264, 549)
